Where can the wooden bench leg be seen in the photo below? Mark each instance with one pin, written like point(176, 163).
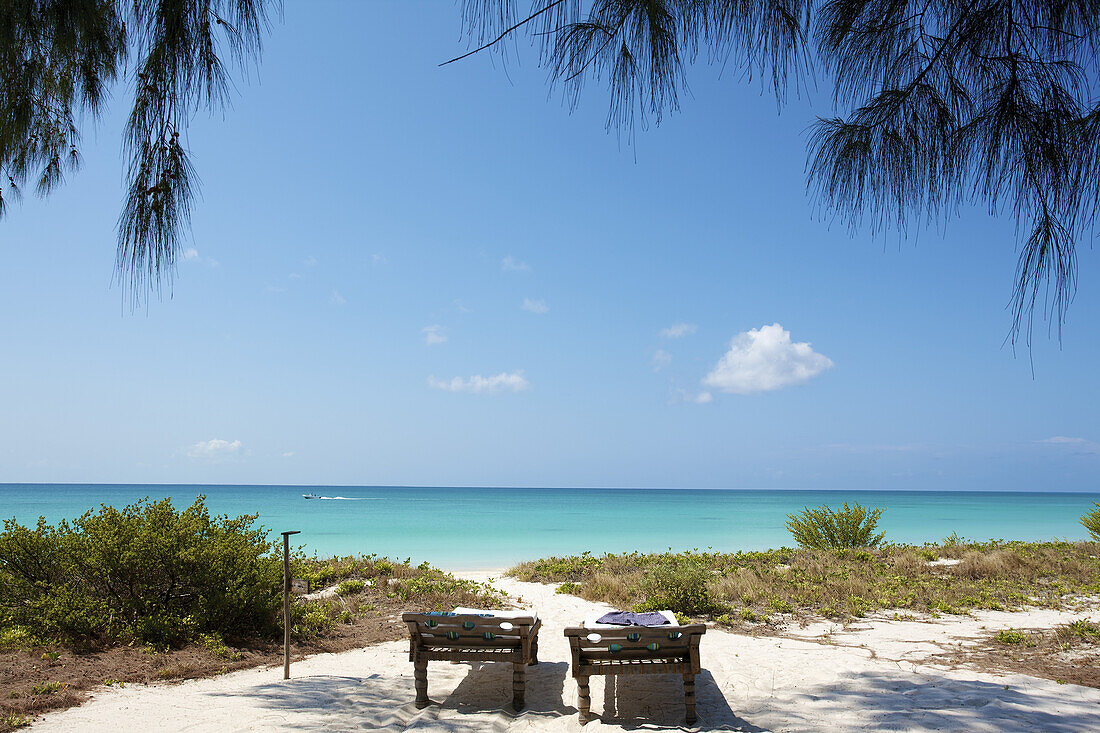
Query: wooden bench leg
point(534, 652)
point(584, 700)
point(420, 679)
point(689, 697)
point(519, 681)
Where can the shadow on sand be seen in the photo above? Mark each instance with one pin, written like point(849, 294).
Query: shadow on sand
point(887, 701)
point(876, 702)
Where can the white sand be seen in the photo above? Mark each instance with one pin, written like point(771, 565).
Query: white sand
point(872, 676)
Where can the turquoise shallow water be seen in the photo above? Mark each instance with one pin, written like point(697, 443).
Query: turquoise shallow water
point(474, 528)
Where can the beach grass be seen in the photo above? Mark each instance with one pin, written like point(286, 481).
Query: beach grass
point(750, 589)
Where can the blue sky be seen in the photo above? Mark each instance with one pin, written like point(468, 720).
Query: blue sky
point(407, 274)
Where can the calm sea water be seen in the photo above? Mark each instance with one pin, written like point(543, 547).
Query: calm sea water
point(473, 528)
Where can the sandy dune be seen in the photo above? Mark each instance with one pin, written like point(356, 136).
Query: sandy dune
point(869, 677)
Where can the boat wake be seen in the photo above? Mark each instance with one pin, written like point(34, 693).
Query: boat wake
point(350, 498)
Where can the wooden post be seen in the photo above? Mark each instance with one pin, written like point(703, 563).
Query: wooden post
point(286, 603)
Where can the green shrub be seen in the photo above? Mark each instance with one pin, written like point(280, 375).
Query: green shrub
point(567, 588)
point(146, 572)
point(47, 688)
point(1081, 628)
point(350, 587)
point(1091, 522)
point(824, 528)
point(678, 583)
point(1012, 636)
point(14, 720)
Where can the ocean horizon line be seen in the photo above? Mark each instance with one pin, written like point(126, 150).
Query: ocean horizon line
point(547, 487)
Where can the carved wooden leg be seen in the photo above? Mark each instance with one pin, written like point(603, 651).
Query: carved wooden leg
point(420, 679)
point(584, 700)
point(534, 652)
point(519, 681)
point(689, 697)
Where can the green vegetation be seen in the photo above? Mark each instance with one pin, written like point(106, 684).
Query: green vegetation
point(11, 721)
point(1012, 636)
point(823, 528)
point(47, 688)
point(1091, 522)
point(1082, 628)
point(753, 587)
point(350, 587)
point(677, 582)
point(567, 588)
point(145, 573)
point(154, 575)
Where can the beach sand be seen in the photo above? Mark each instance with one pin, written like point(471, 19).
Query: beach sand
point(876, 675)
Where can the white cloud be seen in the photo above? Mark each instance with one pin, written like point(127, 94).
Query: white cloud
point(288, 454)
point(535, 306)
point(763, 359)
point(679, 330)
point(214, 448)
point(378, 258)
point(294, 276)
point(433, 335)
point(1080, 446)
point(477, 384)
point(461, 308)
point(192, 255)
point(682, 395)
point(309, 261)
point(511, 264)
point(336, 298)
point(661, 359)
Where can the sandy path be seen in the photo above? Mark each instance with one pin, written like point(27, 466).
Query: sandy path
point(869, 677)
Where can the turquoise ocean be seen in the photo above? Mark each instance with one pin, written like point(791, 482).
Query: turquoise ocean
point(482, 528)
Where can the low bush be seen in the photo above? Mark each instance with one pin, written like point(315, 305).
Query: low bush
point(350, 587)
point(146, 573)
point(1012, 636)
point(824, 528)
point(679, 583)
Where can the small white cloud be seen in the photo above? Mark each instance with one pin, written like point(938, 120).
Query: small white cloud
point(288, 454)
point(1079, 446)
point(763, 359)
point(309, 261)
point(269, 288)
point(336, 298)
point(682, 395)
point(214, 448)
point(511, 264)
point(461, 308)
point(1063, 440)
point(477, 384)
point(378, 258)
point(535, 306)
point(192, 255)
point(661, 359)
point(294, 276)
point(433, 335)
point(679, 330)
